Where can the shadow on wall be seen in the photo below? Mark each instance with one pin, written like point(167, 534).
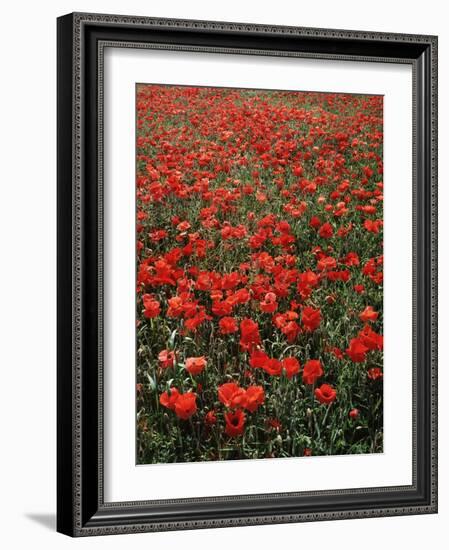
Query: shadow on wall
point(46, 520)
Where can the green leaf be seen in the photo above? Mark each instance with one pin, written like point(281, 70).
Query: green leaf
point(151, 381)
point(171, 340)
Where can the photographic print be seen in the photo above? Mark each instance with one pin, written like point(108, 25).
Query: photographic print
point(259, 276)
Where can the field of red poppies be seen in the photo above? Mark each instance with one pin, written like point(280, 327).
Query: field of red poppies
point(259, 274)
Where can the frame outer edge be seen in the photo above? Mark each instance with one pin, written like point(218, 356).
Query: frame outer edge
point(434, 269)
point(69, 521)
point(77, 276)
point(239, 27)
point(65, 272)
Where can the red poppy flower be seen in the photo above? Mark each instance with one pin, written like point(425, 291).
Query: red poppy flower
point(166, 358)
point(344, 275)
point(258, 358)
point(326, 231)
point(195, 365)
point(311, 318)
point(232, 395)
point(368, 314)
point(183, 226)
point(204, 282)
point(255, 396)
point(193, 323)
point(357, 351)
point(337, 352)
point(185, 405)
point(315, 222)
point(275, 424)
point(250, 336)
point(325, 394)
point(368, 171)
point(307, 282)
point(216, 295)
point(175, 307)
point(158, 235)
point(228, 325)
point(242, 296)
point(283, 227)
point(235, 422)
point(211, 418)
point(375, 373)
point(354, 413)
point(312, 371)
point(152, 306)
point(372, 226)
point(269, 304)
point(327, 263)
point(272, 367)
point(291, 331)
point(168, 400)
point(291, 366)
point(351, 258)
point(221, 308)
point(230, 280)
point(370, 338)
point(226, 232)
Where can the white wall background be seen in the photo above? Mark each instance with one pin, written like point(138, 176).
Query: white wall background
point(28, 267)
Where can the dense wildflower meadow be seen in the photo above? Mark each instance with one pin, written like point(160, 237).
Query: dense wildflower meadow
point(259, 274)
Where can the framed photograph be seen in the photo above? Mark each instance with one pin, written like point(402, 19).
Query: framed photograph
point(247, 279)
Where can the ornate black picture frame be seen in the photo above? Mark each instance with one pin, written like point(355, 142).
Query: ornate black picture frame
point(81, 510)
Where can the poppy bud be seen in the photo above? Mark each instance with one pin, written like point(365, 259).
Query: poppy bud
point(354, 413)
